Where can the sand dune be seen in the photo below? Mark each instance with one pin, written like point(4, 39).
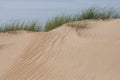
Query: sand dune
point(64, 53)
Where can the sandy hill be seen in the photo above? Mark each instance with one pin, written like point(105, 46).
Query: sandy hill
point(65, 53)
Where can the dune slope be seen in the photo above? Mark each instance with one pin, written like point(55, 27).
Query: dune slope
point(65, 53)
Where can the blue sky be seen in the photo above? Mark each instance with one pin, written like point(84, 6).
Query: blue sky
point(44, 9)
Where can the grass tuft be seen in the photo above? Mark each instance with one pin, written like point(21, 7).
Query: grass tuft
point(57, 21)
point(32, 26)
point(90, 13)
point(99, 13)
point(77, 25)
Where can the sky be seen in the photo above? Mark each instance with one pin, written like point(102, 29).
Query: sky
point(42, 10)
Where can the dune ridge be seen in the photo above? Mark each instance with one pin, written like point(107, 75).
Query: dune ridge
point(65, 53)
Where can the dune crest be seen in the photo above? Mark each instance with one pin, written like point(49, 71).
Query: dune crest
point(67, 54)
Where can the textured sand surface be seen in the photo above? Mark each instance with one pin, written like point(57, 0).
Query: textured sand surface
point(64, 53)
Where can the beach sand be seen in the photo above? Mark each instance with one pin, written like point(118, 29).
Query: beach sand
point(65, 53)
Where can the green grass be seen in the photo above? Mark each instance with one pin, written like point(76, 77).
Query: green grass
point(90, 13)
point(77, 25)
point(99, 13)
point(15, 26)
point(57, 21)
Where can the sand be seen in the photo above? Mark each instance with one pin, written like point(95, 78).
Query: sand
point(64, 53)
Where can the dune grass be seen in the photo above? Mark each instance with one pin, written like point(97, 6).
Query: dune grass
point(15, 26)
point(77, 25)
point(99, 13)
point(90, 13)
point(57, 21)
